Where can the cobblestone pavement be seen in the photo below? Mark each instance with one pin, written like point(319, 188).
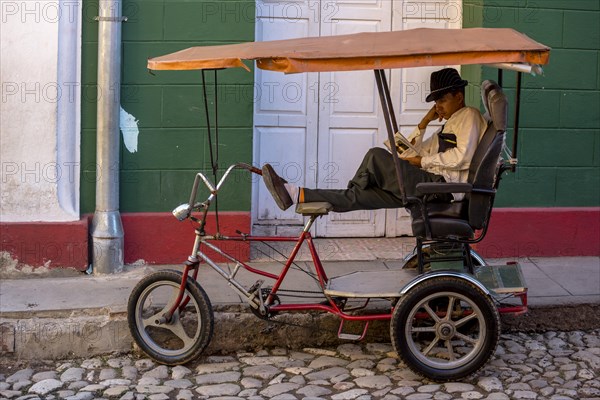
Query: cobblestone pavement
point(552, 365)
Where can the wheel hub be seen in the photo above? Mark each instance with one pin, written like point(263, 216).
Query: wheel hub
point(445, 330)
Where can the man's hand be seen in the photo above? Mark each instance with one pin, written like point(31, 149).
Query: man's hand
point(431, 115)
point(416, 161)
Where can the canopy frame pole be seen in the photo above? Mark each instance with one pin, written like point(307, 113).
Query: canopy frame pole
point(213, 148)
point(517, 115)
point(390, 118)
point(390, 105)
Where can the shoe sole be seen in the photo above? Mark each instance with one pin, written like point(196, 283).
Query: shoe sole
point(281, 203)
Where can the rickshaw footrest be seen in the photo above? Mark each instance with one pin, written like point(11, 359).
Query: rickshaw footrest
point(351, 336)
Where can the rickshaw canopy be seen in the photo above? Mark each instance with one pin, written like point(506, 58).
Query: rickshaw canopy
point(366, 51)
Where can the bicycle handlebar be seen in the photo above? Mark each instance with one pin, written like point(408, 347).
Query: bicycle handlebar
point(184, 210)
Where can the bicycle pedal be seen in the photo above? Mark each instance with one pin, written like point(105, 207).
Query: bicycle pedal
point(254, 288)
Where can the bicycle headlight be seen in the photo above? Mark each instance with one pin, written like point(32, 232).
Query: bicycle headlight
point(182, 212)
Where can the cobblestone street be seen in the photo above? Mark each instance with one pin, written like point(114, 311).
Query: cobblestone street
point(552, 365)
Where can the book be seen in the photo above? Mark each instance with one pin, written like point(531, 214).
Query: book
point(403, 146)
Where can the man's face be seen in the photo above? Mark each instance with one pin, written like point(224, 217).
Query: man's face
point(448, 104)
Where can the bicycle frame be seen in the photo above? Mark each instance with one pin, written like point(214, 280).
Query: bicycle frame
point(253, 296)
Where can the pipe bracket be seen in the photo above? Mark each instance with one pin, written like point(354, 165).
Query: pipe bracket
point(111, 19)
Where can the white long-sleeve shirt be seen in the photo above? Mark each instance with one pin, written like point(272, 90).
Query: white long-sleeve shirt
point(453, 164)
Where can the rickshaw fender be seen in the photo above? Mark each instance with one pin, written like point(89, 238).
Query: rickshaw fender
point(435, 274)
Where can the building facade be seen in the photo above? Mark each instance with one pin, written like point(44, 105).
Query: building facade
point(314, 128)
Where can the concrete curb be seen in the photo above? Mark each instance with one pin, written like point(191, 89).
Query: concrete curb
point(78, 334)
point(84, 316)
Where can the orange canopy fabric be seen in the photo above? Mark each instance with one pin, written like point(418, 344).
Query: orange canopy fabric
point(366, 51)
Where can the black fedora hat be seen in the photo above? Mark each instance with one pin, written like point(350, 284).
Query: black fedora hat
point(444, 81)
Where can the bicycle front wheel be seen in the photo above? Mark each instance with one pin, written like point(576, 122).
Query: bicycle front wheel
point(189, 330)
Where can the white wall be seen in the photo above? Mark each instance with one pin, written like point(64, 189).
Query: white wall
point(40, 44)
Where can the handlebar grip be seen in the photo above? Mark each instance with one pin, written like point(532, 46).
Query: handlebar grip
point(250, 168)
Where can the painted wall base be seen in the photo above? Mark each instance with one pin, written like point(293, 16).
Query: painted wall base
point(53, 244)
point(542, 232)
point(158, 238)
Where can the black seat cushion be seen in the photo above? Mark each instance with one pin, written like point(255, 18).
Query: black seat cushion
point(442, 228)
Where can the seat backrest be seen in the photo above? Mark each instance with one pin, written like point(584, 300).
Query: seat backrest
point(485, 163)
point(480, 204)
point(496, 107)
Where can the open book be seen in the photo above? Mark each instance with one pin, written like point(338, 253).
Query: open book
point(403, 146)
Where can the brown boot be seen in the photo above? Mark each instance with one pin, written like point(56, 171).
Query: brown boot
point(275, 185)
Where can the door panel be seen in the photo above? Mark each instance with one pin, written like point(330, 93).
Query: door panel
point(350, 123)
point(410, 86)
point(285, 116)
point(341, 168)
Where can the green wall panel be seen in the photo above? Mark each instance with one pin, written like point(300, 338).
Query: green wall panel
point(557, 147)
point(561, 60)
point(140, 190)
point(528, 186)
point(578, 187)
point(580, 109)
point(226, 20)
point(539, 108)
point(88, 190)
point(559, 138)
point(582, 30)
point(89, 96)
point(88, 149)
point(168, 105)
point(183, 106)
point(144, 20)
point(179, 149)
point(472, 13)
point(545, 26)
point(186, 149)
point(89, 63)
point(144, 102)
point(568, 4)
point(596, 161)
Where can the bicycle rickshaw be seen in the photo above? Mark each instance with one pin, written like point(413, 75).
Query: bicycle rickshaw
point(444, 305)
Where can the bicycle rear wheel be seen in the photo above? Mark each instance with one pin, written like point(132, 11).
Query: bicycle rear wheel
point(445, 328)
point(189, 330)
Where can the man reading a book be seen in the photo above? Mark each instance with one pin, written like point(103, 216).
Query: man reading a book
point(444, 157)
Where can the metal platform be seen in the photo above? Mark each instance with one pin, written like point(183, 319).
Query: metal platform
point(502, 279)
point(370, 284)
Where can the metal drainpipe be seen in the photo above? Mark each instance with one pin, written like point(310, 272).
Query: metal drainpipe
point(107, 229)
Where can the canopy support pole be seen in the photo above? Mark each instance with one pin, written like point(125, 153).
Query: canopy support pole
point(390, 123)
point(517, 114)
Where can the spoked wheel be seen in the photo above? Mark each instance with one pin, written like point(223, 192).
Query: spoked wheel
point(445, 328)
point(188, 332)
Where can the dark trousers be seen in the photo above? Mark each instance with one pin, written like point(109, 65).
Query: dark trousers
point(374, 185)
